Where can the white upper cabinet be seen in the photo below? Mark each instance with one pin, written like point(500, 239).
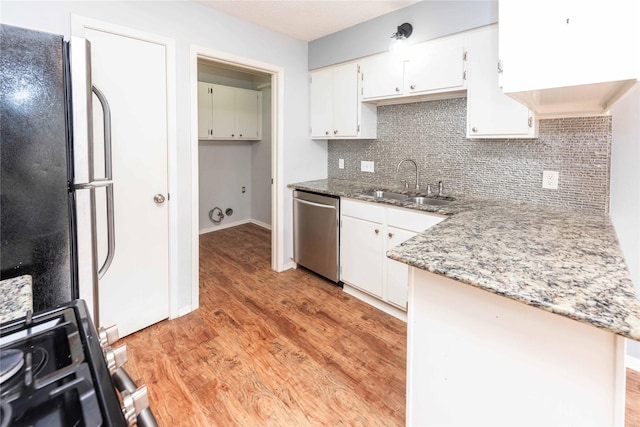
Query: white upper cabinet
point(490, 113)
point(248, 109)
point(204, 110)
point(229, 113)
point(435, 66)
point(223, 112)
point(336, 107)
point(568, 56)
point(429, 70)
point(382, 76)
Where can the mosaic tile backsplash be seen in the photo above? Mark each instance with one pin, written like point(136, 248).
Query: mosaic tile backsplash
point(433, 134)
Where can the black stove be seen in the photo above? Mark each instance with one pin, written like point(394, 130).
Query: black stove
point(53, 373)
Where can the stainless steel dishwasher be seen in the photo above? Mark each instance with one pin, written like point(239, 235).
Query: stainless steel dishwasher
point(316, 233)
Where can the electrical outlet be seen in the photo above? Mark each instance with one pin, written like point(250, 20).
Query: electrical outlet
point(366, 166)
point(340, 163)
point(550, 180)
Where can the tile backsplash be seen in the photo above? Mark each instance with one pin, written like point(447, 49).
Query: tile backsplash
point(433, 134)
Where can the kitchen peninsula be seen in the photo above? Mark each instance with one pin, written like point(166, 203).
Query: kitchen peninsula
point(516, 315)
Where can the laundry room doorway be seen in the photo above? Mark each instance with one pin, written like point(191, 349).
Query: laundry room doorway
point(235, 160)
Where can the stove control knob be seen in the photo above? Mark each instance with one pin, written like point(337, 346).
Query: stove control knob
point(108, 335)
point(115, 357)
point(134, 403)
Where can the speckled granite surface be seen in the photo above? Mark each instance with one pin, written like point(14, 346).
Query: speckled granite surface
point(15, 297)
point(563, 261)
point(356, 190)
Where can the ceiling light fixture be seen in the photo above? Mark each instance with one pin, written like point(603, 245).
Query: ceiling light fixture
point(404, 32)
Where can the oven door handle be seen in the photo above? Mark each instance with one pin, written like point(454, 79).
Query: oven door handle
point(124, 383)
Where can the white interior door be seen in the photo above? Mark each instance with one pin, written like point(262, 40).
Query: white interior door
point(132, 74)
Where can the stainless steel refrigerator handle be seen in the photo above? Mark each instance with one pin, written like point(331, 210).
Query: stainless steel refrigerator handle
point(107, 182)
point(96, 183)
point(315, 204)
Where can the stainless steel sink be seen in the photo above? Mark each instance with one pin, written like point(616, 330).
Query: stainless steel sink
point(429, 201)
point(381, 194)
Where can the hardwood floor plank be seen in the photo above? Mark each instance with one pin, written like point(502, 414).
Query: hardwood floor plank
point(260, 350)
point(277, 349)
point(632, 412)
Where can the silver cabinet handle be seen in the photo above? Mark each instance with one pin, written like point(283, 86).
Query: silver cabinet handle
point(397, 89)
point(159, 199)
point(413, 87)
point(474, 129)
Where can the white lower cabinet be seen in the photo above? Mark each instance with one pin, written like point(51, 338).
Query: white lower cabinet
point(368, 231)
point(397, 272)
point(361, 246)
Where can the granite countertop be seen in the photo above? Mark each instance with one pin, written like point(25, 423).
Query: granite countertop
point(15, 297)
point(563, 261)
point(356, 190)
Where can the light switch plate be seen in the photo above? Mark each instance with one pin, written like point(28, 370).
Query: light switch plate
point(366, 166)
point(340, 163)
point(550, 180)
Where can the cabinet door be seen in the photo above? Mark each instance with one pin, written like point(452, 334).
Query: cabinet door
point(322, 103)
point(490, 113)
point(397, 272)
point(382, 76)
point(204, 110)
point(436, 65)
point(247, 114)
point(361, 252)
point(549, 44)
point(223, 112)
point(345, 100)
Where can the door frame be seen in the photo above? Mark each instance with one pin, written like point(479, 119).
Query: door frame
point(78, 25)
point(277, 156)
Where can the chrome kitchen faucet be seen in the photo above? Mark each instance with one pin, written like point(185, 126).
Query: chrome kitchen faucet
point(406, 185)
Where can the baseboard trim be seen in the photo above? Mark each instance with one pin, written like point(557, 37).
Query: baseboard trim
point(632, 363)
point(375, 302)
point(260, 224)
point(223, 226)
point(235, 224)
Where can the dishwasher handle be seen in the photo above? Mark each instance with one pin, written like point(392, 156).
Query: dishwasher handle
point(319, 205)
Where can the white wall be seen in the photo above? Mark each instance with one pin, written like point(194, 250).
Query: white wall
point(430, 19)
point(224, 168)
point(261, 166)
point(190, 23)
point(624, 207)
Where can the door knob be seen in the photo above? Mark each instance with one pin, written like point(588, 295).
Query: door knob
point(158, 198)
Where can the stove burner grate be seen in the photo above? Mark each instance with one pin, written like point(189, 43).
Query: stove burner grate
point(11, 361)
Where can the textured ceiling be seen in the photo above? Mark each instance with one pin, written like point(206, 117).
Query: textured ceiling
point(307, 19)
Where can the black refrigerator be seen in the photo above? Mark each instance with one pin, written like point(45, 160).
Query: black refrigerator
point(37, 208)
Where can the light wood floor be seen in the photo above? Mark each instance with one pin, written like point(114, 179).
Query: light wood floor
point(632, 413)
point(267, 349)
point(270, 349)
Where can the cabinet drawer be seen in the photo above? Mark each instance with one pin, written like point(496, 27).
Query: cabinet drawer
point(363, 210)
point(412, 220)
